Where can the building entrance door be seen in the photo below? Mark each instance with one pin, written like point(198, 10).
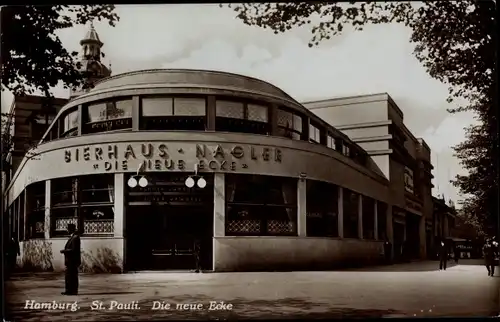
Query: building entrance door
point(177, 230)
point(164, 223)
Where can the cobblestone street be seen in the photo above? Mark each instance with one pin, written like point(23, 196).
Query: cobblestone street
point(415, 289)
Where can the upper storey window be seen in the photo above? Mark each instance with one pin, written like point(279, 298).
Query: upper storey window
point(233, 116)
point(167, 113)
point(334, 143)
point(314, 134)
point(70, 124)
point(289, 124)
point(109, 116)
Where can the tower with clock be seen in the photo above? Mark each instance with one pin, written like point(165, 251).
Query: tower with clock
point(90, 64)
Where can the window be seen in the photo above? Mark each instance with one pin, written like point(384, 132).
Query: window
point(260, 205)
point(70, 124)
point(314, 134)
point(157, 106)
point(289, 124)
point(179, 113)
point(109, 111)
point(346, 150)
point(109, 116)
point(189, 106)
point(339, 145)
point(35, 210)
point(64, 205)
point(229, 109)
point(368, 218)
point(257, 113)
point(86, 201)
point(61, 218)
point(98, 220)
point(351, 218)
point(330, 142)
point(97, 189)
point(382, 220)
point(234, 116)
point(322, 209)
point(64, 191)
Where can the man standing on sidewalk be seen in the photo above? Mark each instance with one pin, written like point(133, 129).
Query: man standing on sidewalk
point(72, 260)
point(443, 255)
point(489, 257)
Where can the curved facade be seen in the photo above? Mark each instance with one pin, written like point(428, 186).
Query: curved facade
point(273, 186)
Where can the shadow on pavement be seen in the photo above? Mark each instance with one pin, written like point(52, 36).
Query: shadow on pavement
point(427, 266)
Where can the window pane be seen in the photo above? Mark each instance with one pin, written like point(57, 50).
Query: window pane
point(322, 209)
point(97, 189)
point(330, 142)
point(285, 119)
point(189, 106)
point(119, 109)
point(257, 113)
point(368, 218)
point(71, 121)
point(157, 106)
point(313, 133)
point(96, 112)
point(297, 123)
point(350, 200)
point(229, 109)
point(260, 205)
point(98, 220)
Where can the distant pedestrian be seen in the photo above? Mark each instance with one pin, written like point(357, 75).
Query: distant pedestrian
point(489, 253)
point(443, 255)
point(72, 260)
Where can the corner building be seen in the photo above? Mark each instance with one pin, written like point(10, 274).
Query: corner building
point(282, 188)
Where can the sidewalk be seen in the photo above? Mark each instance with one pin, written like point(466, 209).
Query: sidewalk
point(413, 290)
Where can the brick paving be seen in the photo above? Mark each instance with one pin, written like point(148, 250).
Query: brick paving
point(413, 290)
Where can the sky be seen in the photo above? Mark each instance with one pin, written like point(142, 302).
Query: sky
point(205, 36)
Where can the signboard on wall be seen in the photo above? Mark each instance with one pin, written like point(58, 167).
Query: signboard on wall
point(408, 180)
point(160, 156)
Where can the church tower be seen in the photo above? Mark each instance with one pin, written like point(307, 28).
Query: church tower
point(91, 66)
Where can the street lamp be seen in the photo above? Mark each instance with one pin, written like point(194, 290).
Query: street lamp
point(132, 181)
point(190, 182)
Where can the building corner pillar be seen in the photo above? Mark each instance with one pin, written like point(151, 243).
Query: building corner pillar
point(219, 220)
point(375, 221)
point(219, 205)
point(119, 210)
point(301, 207)
point(340, 218)
point(119, 205)
point(48, 205)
